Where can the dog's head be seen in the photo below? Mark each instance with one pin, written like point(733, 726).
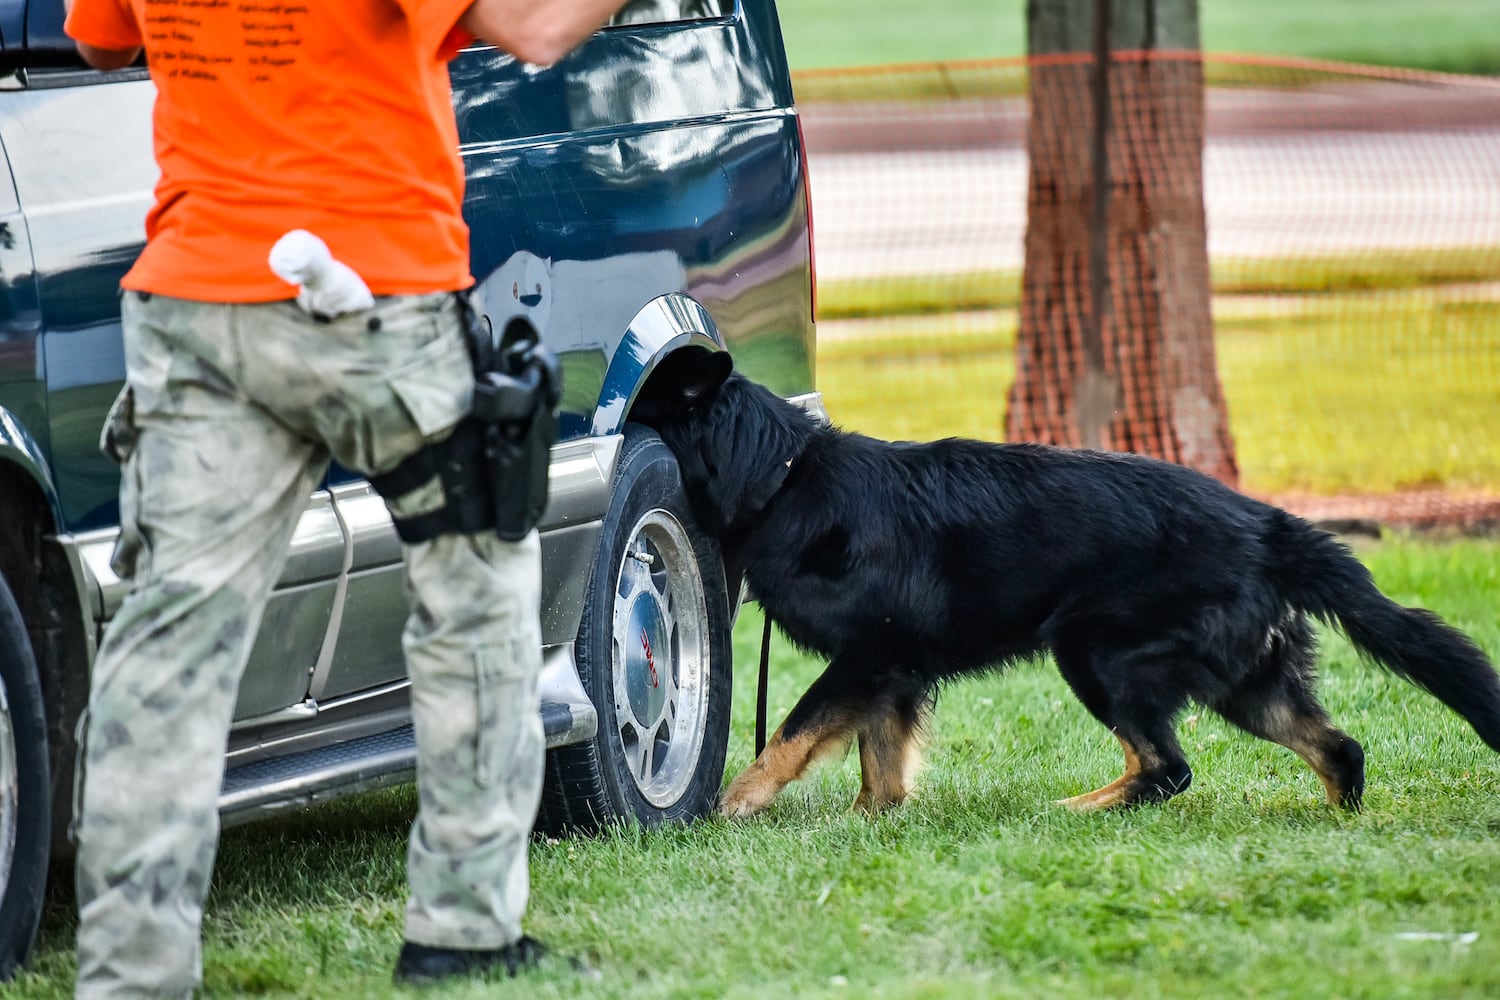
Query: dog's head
point(735, 440)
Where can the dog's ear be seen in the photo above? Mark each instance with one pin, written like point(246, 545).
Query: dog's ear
point(683, 381)
point(699, 374)
point(748, 442)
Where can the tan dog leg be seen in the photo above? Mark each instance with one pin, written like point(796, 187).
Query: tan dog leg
point(1154, 772)
point(1303, 727)
point(782, 762)
point(889, 755)
point(1116, 792)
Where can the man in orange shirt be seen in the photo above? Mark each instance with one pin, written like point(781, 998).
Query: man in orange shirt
point(236, 398)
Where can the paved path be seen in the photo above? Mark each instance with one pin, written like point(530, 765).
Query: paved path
point(1267, 194)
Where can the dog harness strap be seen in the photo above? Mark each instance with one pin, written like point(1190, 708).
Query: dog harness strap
point(760, 688)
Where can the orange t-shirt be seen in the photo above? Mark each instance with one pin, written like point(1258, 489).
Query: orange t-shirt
point(333, 116)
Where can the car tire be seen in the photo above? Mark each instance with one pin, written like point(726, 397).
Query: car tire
point(25, 809)
point(653, 655)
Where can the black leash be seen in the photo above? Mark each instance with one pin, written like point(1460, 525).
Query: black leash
point(760, 691)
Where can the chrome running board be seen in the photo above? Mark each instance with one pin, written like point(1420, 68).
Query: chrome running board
point(271, 786)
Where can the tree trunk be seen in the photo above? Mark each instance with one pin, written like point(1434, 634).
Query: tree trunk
point(1116, 218)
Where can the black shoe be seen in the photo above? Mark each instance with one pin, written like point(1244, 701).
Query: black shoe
point(420, 963)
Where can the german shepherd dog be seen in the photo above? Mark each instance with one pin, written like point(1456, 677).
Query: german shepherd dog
point(1150, 584)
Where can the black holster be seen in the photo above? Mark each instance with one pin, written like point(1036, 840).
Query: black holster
point(493, 467)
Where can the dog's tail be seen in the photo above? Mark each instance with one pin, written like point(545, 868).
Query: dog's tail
point(1318, 575)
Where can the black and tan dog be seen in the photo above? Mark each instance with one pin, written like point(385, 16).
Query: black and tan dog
point(1150, 584)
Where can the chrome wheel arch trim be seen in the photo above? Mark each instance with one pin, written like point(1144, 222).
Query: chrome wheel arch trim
point(665, 324)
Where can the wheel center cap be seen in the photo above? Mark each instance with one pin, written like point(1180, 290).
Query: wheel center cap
point(647, 660)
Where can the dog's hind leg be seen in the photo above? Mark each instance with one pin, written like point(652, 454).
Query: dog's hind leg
point(889, 756)
point(1139, 712)
point(1276, 702)
point(1155, 770)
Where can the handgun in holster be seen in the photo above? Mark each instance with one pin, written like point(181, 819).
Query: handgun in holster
point(493, 467)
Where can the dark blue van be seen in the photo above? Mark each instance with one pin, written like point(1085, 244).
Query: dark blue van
point(644, 196)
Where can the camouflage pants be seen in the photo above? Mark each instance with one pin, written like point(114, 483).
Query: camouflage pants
point(236, 412)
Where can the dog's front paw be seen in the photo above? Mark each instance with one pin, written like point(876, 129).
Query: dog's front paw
point(871, 804)
point(747, 795)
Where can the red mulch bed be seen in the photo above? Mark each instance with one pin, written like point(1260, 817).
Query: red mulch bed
point(1412, 510)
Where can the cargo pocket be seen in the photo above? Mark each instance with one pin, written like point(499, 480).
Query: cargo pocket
point(417, 400)
point(436, 386)
point(118, 441)
point(505, 708)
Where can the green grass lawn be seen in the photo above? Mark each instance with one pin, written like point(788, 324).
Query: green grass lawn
point(1450, 35)
point(1362, 395)
point(1327, 394)
point(1248, 885)
point(1359, 271)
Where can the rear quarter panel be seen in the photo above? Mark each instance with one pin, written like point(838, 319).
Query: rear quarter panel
point(656, 160)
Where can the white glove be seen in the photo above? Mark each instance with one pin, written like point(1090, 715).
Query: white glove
point(326, 287)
